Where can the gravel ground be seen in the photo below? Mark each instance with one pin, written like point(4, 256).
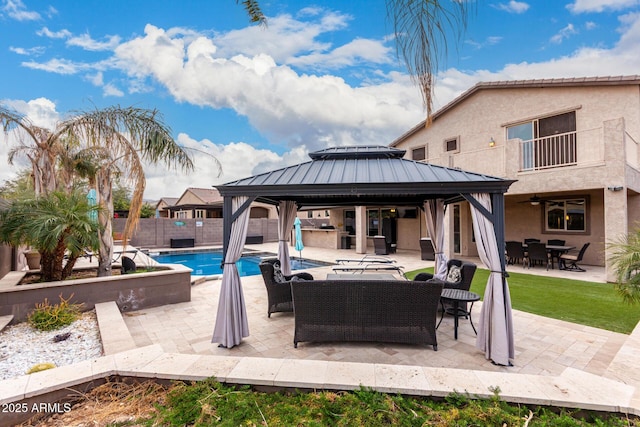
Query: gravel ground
point(22, 347)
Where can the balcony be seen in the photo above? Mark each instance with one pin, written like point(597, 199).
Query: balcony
point(549, 152)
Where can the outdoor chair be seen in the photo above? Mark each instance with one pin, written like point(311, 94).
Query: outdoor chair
point(537, 253)
point(382, 246)
point(515, 253)
point(128, 265)
point(279, 286)
point(459, 276)
point(573, 259)
point(426, 249)
point(555, 255)
point(531, 240)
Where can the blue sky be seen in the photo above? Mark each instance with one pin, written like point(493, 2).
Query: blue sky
point(320, 74)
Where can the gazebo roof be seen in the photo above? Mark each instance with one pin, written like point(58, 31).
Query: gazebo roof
point(362, 175)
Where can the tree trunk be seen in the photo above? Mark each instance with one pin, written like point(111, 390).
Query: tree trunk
point(105, 253)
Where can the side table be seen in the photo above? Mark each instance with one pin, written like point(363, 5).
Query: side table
point(457, 296)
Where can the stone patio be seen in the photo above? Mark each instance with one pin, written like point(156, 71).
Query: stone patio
point(556, 363)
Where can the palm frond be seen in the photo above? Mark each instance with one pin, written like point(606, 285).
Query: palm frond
point(421, 30)
point(254, 11)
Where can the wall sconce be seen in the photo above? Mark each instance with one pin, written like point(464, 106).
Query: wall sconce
point(492, 142)
point(615, 188)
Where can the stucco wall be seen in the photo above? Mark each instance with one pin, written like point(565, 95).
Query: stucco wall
point(158, 232)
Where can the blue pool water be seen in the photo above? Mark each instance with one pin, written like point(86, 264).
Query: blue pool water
point(207, 263)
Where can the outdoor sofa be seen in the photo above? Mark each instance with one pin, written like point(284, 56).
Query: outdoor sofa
point(390, 311)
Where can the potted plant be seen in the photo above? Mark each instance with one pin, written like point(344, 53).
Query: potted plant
point(33, 259)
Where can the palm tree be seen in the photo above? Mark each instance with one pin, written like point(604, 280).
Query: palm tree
point(58, 225)
point(110, 142)
point(420, 28)
point(625, 260)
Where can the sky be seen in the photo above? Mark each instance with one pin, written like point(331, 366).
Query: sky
point(257, 98)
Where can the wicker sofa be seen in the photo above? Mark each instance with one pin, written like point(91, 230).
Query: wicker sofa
point(392, 311)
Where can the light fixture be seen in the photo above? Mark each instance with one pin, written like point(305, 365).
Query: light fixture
point(615, 188)
point(535, 202)
point(492, 142)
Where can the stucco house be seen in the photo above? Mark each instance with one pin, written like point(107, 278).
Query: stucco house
point(571, 144)
point(195, 203)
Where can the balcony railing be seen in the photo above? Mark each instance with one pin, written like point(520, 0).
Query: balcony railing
point(549, 152)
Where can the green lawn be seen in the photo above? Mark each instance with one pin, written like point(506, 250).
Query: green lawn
point(577, 301)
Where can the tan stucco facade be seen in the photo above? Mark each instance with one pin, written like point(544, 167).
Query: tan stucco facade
point(607, 134)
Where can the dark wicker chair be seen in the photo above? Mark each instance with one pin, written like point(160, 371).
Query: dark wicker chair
point(382, 246)
point(537, 253)
point(426, 249)
point(128, 265)
point(393, 311)
point(573, 259)
point(555, 255)
point(515, 253)
point(279, 292)
point(467, 271)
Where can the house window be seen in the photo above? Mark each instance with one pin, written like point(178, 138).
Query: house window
point(419, 153)
point(182, 214)
point(566, 215)
point(451, 145)
point(546, 142)
point(199, 213)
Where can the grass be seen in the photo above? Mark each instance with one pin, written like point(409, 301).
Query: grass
point(208, 403)
point(586, 303)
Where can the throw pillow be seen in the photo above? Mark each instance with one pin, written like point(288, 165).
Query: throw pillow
point(278, 277)
point(455, 275)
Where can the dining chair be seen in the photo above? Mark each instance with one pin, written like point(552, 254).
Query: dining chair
point(537, 252)
point(515, 253)
point(555, 254)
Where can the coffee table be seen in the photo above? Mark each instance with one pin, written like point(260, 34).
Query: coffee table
point(457, 296)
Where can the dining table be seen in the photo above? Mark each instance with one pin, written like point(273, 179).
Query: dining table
point(554, 250)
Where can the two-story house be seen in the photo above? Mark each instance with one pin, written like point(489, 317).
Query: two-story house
point(571, 144)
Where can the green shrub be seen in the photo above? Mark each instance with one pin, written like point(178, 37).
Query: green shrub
point(48, 317)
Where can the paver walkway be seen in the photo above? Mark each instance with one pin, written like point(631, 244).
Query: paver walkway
point(556, 363)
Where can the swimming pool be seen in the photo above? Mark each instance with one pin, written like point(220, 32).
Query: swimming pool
point(207, 263)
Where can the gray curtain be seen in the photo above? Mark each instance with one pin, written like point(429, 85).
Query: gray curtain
point(286, 216)
point(495, 330)
point(434, 215)
point(231, 321)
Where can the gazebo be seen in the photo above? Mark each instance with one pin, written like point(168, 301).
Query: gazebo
point(367, 176)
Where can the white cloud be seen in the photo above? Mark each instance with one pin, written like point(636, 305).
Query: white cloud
point(86, 42)
point(111, 90)
point(33, 51)
point(238, 160)
point(58, 66)
point(285, 39)
point(46, 32)
point(316, 110)
point(358, 50)
point(513, 6)
point(563, 34)
point(18, 11)
point(582, 6)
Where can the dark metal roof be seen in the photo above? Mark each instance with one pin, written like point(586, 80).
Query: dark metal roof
point(362, 175)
